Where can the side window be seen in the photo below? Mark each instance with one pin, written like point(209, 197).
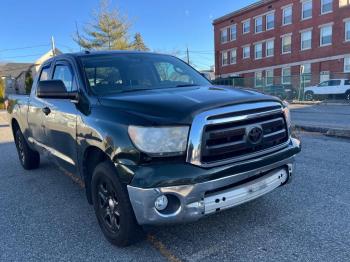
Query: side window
point(44, 75)
point(63, 72)
point(347, 82)
point(325, 83)
point(334, 83)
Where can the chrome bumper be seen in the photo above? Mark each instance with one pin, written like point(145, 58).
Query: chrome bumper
point(196, 200)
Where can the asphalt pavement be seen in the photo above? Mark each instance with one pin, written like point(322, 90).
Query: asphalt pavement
point(326, 116)
point(45, 216)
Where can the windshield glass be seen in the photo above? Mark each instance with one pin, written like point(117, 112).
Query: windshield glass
point(116, 73)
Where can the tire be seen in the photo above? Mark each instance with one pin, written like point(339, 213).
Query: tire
point(309, 96)
point(29, 158)
point(347, 96)
point(113, 208)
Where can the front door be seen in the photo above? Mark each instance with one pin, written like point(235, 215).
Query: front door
point(61, 121)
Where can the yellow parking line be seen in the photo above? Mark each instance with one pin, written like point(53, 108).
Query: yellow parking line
point(163, 250)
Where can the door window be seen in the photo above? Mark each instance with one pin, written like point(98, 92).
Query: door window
point(44, 75)
point(334, 83)
point(63, 72)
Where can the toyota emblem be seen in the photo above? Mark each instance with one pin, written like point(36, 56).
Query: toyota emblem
point(254, 135)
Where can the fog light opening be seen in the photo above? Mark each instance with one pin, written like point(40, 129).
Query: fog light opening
point(161, 203)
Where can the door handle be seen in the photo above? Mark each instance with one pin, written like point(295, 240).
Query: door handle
point(46, 110)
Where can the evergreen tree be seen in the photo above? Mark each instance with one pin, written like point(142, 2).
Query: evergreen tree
point(138, 43)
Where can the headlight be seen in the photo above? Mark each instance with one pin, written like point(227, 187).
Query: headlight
point(160, 140)
point(287, 114)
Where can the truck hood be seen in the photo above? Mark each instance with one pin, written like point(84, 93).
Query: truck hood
point(179, 105)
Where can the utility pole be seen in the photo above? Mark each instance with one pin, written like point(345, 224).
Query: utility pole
point(53, 46)
point(188, 56)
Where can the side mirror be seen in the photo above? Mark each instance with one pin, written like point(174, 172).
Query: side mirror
point(54, 89)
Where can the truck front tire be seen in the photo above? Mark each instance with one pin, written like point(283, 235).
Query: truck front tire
point(113, 208)
point(29, 158)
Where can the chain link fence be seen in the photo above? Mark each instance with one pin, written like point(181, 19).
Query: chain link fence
point(307, 87)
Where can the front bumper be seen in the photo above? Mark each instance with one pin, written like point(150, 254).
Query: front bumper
point(200, 199)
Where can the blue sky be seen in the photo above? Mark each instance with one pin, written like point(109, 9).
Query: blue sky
point(166, 26)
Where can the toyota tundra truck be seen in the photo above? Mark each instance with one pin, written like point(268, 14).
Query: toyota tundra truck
point(152, 139)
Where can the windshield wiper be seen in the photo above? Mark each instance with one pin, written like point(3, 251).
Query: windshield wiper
point(134, 90)
point(186, 85)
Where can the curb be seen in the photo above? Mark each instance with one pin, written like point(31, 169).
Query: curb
point(333, 132)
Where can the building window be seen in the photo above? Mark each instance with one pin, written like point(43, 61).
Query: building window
point(286, 44)
point(286, 76)
point(246, 27)
point(270, 21)
point(305, 73)
point(347, 30)
point(324, 76)
point(233, 56)
point(270, 48)
point(233, 32)
point(347, 64)
point(258, 24)
point(269, 77)
point(258, 51)
point(326, 35)
point(306, 40)
point(343, 3)
point(306, 12)
point(287, 15)
point(326, 6)
point(246, 52)
point(223, 35)
point(224, 58)
point(258, 79)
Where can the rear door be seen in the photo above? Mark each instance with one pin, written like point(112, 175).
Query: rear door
point(61, 122)
point(35, 111)
point(335, 87)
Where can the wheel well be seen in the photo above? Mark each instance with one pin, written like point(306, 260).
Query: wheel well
point(92, 157)
point(15, 127)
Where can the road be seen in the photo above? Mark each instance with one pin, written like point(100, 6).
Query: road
point(328, 116)
point(45, 217)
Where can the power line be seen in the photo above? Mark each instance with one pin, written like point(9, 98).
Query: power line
point(21, 48)
point(10, 57)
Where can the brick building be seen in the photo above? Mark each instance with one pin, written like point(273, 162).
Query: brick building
point(271, 40)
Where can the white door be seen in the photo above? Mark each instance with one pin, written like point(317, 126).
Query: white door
point(322, 88)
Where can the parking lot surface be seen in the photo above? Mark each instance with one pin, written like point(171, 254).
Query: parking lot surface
point(45, 217)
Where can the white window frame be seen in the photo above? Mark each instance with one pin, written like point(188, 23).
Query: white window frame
point(321, 29)
point(255, 52)
point(255, 24)
point(243, 23)
point(222, 58)
point(283, 14)
point(282, 42)
point(235, 52)
point(256, 78)
point(326, 12)
point(347, 64)
point(274, 21)
point(230, 30)
point(268, 77)
point(301, 39)
point(221, 37)
point(302, 9)
point(347, 29)
point(283, 76)
point(273, 47)
point(243, 47)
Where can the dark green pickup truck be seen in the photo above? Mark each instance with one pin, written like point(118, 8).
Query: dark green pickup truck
point(152, 139)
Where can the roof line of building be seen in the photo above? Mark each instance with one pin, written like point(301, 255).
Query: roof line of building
point(242, 10)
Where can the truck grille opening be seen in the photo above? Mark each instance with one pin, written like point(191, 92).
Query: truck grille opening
point(225, 141)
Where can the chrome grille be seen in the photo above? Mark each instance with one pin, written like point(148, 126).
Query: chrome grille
point(229, 140)
point(219, 136)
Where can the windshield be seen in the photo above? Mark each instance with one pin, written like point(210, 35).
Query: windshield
point(116, 73)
